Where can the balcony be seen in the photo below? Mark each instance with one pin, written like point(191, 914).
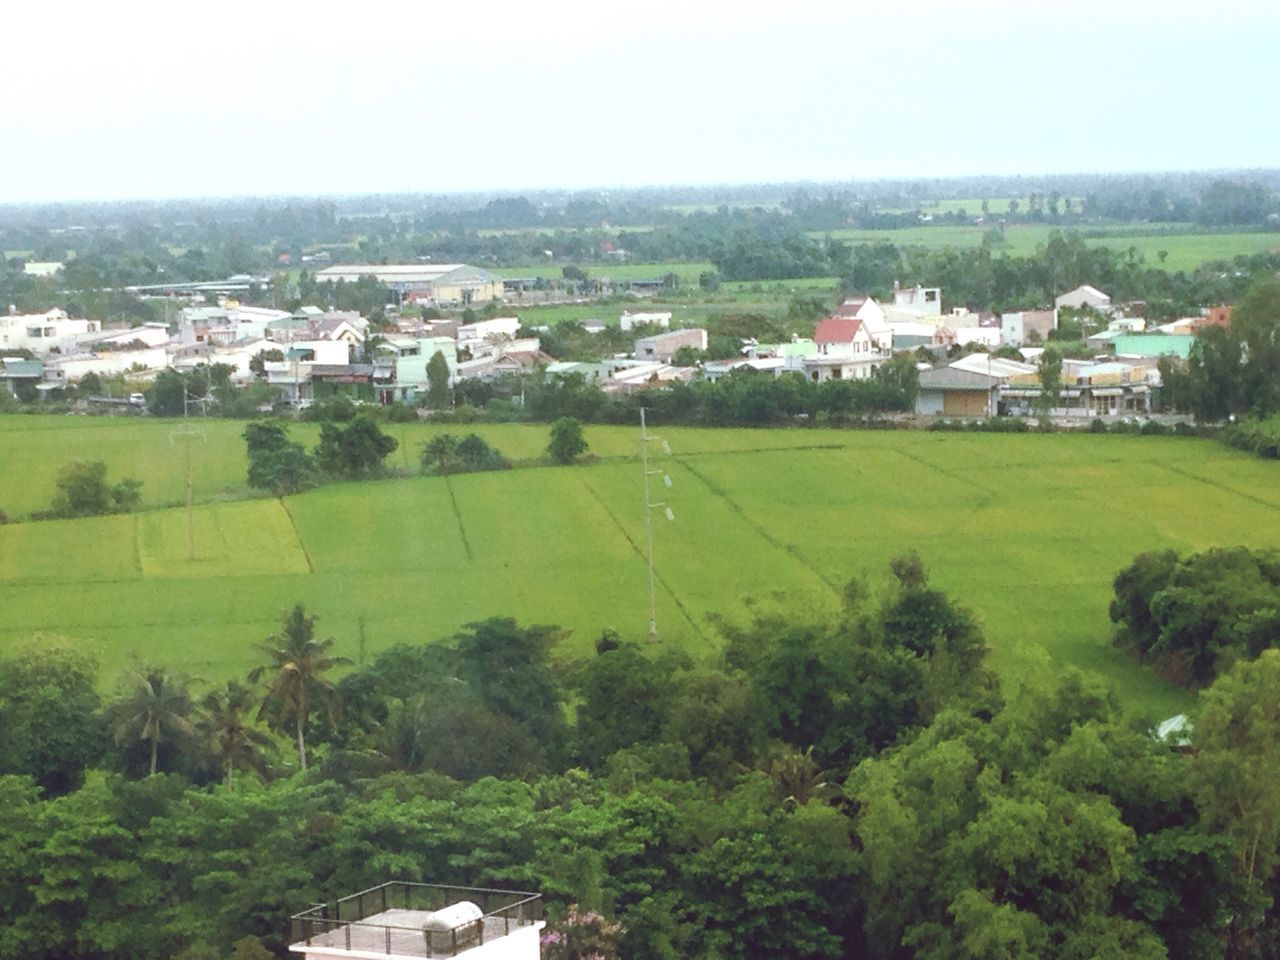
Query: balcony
point(419, 920)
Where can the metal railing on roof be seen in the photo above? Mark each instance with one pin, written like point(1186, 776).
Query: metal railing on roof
point(351, 923)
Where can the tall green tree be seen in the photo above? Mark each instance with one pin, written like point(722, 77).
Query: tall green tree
point(567, 440)
point(1237, 778)
point(296, 685)
point(227, 727)
point(49, 714)
point(439, 396)
point(357, 450)
point(153, 705)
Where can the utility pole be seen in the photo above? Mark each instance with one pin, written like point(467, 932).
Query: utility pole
point(649, 507)
point(188, 436)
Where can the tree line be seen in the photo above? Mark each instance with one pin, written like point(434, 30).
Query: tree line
point(848, 783)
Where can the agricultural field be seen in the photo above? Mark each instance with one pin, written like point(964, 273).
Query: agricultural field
point(1183, 250)
point(1028, 530)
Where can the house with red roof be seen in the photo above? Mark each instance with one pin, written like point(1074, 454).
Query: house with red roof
point(846, 351)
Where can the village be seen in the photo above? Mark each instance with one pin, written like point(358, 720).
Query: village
point(970, 363)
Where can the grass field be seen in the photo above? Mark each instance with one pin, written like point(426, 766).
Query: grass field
point(1184, 251)
point(686, 271)
point(1026, 530)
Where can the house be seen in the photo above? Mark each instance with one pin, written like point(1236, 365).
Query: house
point(915, 302)
point(909, 336)
point(400, 366)
point(629, 321)
point(1084, 296)
point(402, 919)
point(1088, 389)
point(442, 283)
point(664, 346)
point(593, 326)
point(863, 307)
point(18, 377)
point(487, 332)
point(1017, 328)
point(955, 392)
point(845, 352)
point(43, 333)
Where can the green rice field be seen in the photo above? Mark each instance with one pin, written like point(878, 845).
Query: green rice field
point(1028, 530)
point(1183, 250)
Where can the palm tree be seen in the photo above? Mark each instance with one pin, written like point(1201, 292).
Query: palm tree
point(231, 737)
point(797, 778)
point(154, 705)
point(295, 677)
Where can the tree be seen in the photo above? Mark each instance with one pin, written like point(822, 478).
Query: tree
point(83, 491)
point(49, 714)
point(296, 685)
point(277, 463)
point(509, 667)
point(1050, 383)
point(440, 454)
point(153, 705)
point(439, 396)
point(354, 451)
point(567, 440)
point(232, 739)
point(1237, 778)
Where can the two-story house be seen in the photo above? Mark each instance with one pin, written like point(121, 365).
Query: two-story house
point(846, 351)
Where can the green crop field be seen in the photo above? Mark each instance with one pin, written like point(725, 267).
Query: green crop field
point(1183, 250)
point(1028, 530)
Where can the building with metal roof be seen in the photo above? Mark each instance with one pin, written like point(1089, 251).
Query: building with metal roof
point(436, 282)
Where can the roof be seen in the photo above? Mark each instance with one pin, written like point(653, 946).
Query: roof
point(953, 378)
point(21, 368)
point(1153, 344)
point(398, 272)
point(837, 330)
point(985, 363)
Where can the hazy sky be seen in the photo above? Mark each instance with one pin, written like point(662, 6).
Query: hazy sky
point(143, 99)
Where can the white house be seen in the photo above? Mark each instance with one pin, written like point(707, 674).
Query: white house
point(43, 333)
point(864, 308)
point(1084, 296)
point(914, 305)
point(1017, 328)
point(845, 351)
point(664, 346)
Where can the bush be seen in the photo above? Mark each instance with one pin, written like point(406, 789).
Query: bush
point(83, 491)
point(447, 454)
point(277, 463)
point(567, 441)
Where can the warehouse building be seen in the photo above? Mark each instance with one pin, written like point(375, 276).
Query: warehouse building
point(441, 283)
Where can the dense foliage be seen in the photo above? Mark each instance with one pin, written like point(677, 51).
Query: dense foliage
point(848, 787)
point(1194, 616)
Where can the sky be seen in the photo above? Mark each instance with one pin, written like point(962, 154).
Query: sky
point(139, 99)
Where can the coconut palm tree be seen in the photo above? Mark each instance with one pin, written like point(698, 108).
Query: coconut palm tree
point(797, 778)
point(153, 705)
point(231, 736)
point(295, 681)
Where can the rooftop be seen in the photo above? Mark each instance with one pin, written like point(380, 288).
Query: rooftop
point(400, 919)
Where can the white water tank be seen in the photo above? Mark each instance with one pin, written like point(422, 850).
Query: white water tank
point(453, 927)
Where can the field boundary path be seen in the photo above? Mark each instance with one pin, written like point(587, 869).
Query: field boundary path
point(764, 534)
point(457, 514)
point(297, 535)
